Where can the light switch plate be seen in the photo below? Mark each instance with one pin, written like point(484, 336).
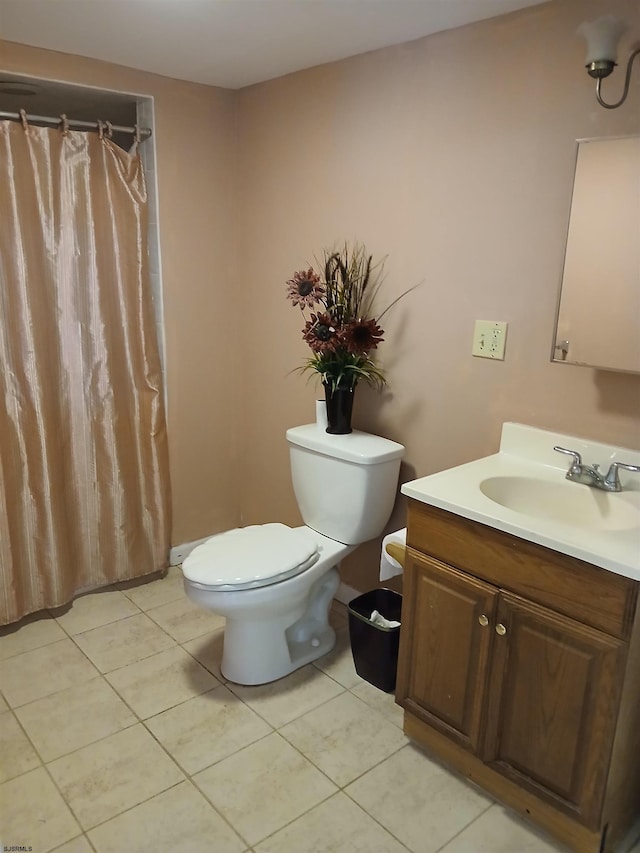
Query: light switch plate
point(489, 338)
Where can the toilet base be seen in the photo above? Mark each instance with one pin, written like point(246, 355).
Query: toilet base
point(261, 651)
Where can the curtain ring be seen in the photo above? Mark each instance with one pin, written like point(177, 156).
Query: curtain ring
point(109, 130)
point(23, 119)
point(100, 129)
point(64, 124)
point(137, 135)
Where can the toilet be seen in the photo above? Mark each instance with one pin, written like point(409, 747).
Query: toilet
point(274, 584)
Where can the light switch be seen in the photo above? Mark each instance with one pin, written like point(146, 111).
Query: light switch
point(489, 339)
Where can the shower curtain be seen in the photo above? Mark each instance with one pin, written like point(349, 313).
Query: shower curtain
point(84, 484)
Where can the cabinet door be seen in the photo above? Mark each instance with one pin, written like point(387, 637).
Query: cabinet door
point(444, 647)
point(552, 702)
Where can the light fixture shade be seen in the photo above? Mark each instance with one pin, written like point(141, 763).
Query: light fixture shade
point(602, 37)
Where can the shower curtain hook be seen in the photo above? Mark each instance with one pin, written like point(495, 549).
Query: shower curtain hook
point(23, 119)
point(100, 129)
point(109, 130)
point(64, 124)
point(137, 135)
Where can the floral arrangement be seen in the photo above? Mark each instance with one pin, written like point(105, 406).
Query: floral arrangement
point(341, 328)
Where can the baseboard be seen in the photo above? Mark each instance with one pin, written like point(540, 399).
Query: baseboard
point(180, 552)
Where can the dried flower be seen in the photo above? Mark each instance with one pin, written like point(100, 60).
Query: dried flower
point(320, 333)
point(344, 331)
point(305, 289)
point(361, 336)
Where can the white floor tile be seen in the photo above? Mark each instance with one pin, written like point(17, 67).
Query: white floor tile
point(44, 670)
point(32, 813)
point(184, 620)
point(207, 650)
point(419, 802)
point(73, 718)
point(337, 825)
point(161, 681)
point(344, 738)
point(93, 610)
point(76, 845)
point(263, 787)
point(499, 831)
point(266, 762)
point(383, 703)
point(339, 662)
point(32, 632)
point(126, 641)
point(284, 700)
point(154, 591)
point(206, 729)
point(17, 755)
point(179, 819)
point(109, 777)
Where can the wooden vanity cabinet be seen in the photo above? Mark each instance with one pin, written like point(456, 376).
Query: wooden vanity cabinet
point(443, 671)
point(520, 667)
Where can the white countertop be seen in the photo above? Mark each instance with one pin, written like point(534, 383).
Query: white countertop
point(528, 452)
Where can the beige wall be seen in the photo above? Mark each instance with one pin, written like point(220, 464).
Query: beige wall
point(453, 155)
point(195, 139)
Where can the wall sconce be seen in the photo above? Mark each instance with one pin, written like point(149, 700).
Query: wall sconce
point(602, 37)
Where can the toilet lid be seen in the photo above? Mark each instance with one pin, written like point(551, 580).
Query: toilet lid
point(251, 556)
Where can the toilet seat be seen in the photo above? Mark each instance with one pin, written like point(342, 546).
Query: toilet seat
point(249, 557)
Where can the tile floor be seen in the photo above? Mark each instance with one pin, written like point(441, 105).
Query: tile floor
point(119, 733)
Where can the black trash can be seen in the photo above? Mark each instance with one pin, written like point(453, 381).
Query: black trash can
point(374, 648)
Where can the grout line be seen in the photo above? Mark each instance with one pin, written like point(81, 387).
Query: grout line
point(95, 627)
point(231, 684)
point(124, 618)
point(465, 827)
point(375, 819)
point(31, 744)
point(64, 799)
point(62, 689)
point(135, 806)
point(301, 815)
point(213, 806)
point(217, 675)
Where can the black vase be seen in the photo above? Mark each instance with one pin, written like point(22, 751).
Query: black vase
point(339, 408)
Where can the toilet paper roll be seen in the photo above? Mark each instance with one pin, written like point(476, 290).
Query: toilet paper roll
point(321, 414)
point(389, 567)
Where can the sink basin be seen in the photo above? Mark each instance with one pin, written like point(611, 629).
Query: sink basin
point(565, 503)
point(522, 491)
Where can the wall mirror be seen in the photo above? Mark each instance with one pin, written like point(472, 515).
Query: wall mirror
point(598, 321)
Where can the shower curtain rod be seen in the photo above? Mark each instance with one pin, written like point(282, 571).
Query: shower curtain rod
point(145, 132)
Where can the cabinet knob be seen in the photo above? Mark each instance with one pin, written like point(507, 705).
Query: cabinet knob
point(500, 629)
point(483, 620)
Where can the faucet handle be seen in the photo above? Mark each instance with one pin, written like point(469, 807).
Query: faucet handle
point(576, 465)
point(612, 481)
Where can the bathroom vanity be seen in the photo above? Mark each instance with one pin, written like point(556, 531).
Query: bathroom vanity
point(519, 659)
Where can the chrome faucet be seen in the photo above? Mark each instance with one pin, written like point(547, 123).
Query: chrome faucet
point(590, 475)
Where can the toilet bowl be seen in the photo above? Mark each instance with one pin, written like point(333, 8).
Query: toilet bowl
point(274, 584)
point(274, 625)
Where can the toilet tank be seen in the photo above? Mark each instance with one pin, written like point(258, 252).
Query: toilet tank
point(345, 485)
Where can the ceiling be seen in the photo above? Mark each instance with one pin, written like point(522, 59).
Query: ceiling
point(233, 43)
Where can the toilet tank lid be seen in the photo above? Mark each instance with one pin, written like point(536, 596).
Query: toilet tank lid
point(359, 447)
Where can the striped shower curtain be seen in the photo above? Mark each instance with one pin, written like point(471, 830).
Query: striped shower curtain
point(84, 484)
